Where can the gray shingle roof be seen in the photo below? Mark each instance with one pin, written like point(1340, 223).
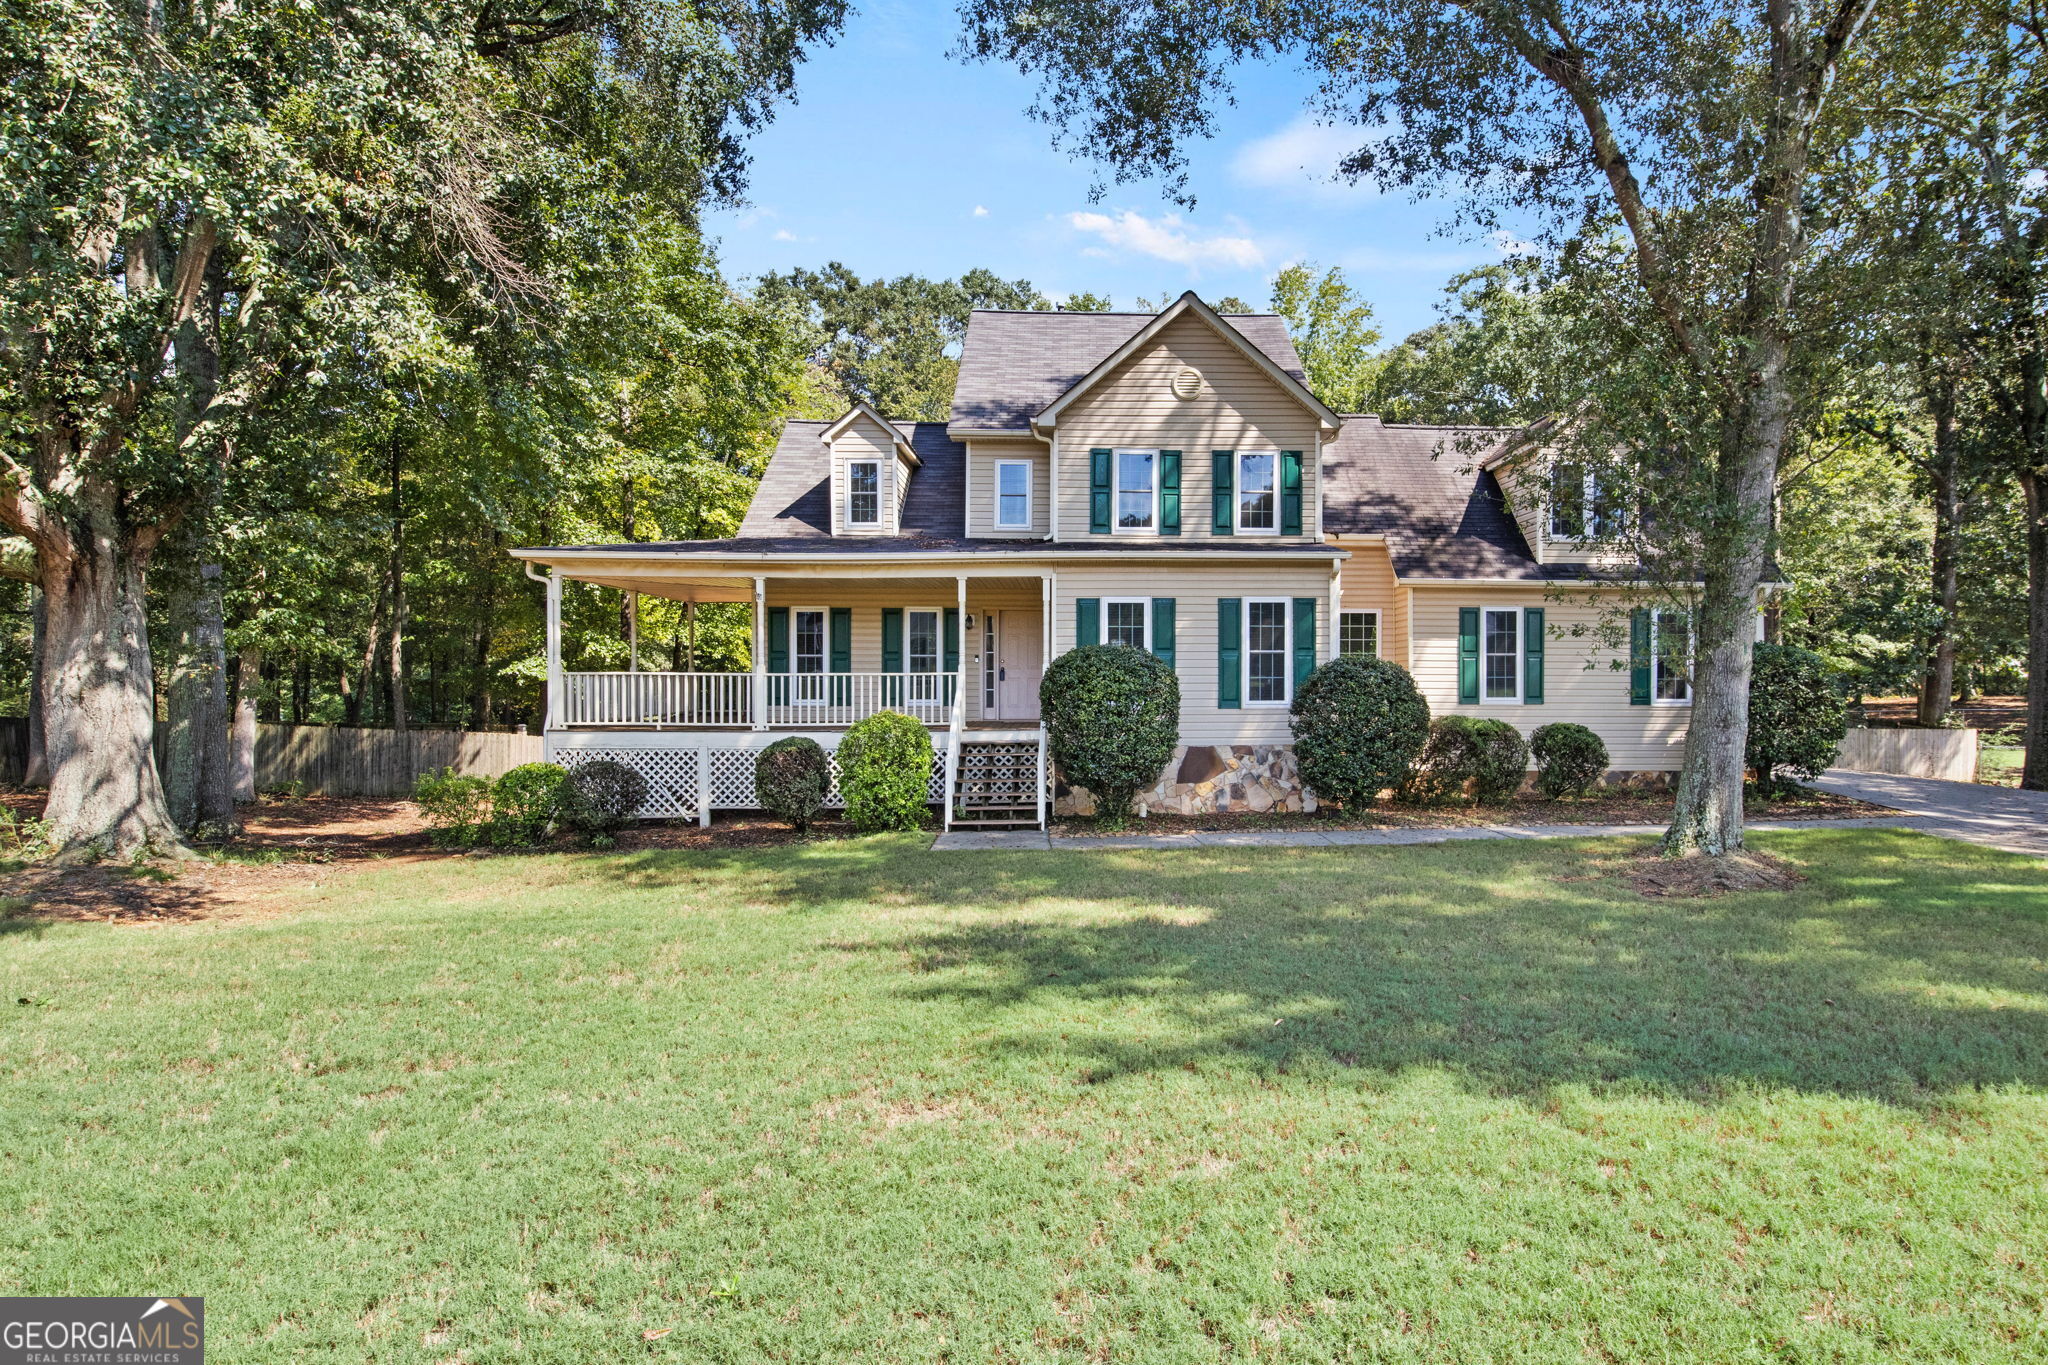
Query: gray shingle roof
point(1421, 487)
point(794, 500)
point(1014, 364)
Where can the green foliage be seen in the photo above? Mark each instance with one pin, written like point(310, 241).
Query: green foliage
point(602, 797)
point(526, 803)
point(791, 777)
point(457, 808)
point(1112, 717)
point(1359, 726)
point(1333, 332)
point(1569, 758)
point(1473, 756)
point(885, 772)
point(1796, 715)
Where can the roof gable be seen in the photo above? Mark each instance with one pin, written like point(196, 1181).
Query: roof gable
point(862, 409)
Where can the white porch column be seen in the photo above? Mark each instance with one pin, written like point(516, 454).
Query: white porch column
point(960, 668)
point(1336, 607)
point(557, 711)
point(759, 664)
point(1050, 596)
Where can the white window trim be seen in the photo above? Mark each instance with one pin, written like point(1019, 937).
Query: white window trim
point(1286, 654)
point(1589, 493)
point(1144, 613)
point(824, 657)
point(1657, 615)
point(1237, 496)
point(1116, 491)
point(881, 496)
point(1024, 525)
point(1378, 640)
point(940, 666)
point(1521, 655)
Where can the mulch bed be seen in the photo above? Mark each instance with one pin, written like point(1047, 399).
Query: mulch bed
point(1701, 878)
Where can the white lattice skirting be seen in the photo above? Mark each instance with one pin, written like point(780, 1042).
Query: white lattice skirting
point(685, 781)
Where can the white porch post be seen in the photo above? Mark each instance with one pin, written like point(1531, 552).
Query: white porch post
point(1336, 607)
point(557, 711)
point(959, 711)
point(1045, 596)
point(759, 667)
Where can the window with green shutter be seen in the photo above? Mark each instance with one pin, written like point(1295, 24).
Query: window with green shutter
point(1099, 460)
point(1162, 629)
point(1230, 653)
point(1222, 478)
point(778, 639)
point(1532, 656)
point(1639, 657)
point(1468, 656)
point(842, 654)
point(1169, 492)
point(1304, 639)
point(1087, 621)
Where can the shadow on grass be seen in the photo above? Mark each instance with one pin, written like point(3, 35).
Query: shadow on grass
point(1905, 968)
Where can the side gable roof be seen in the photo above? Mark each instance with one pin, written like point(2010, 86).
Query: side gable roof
point(862, 408)
point(1187, 303)
point(1014, 365)
point(1428, 491)
point(794, 499)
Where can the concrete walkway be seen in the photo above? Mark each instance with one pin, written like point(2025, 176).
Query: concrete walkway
point(962, 840)
point(1997, 817)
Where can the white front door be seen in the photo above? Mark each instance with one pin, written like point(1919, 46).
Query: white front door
point(1020, 658)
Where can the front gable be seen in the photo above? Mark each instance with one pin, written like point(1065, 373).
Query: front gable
point(871, 464)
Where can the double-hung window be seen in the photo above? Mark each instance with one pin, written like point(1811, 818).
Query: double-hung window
point(864, 493)
point(1013, 495)
point(1127, 621)
point(1258, 497)
point(1670, 658)
point(1580, 509)
point(807, 631)
point(1267, 649)
point(1358, 632)
point(1137, 490)
point(921, 653)
point(1500, 654)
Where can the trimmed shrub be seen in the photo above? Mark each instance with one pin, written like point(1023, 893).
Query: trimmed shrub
point(1112, 715)
point(885, 772)
point(1359, 726)
point(602, 797)
point(1569, 758)
point(1471, 753)
point(791, 777)
point(1796, 716)
point(457, 808)
point(526, 803)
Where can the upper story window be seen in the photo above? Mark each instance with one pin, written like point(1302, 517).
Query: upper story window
point(1137, 490)
point(1579, 508)
point(864, 493)
point(1013, 494)
point(1258, 496)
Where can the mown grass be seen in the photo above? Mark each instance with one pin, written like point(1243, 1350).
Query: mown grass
point(859, 1101)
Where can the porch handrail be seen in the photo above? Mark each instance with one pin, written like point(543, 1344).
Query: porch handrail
point(788, 700)
point(658, 699)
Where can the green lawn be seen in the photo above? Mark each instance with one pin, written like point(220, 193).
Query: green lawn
point(859, 1101)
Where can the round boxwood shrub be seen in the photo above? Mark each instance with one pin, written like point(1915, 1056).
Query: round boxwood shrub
point(1485, 756)
point(1359, 725)
point(457, 808)
point(885, 772)
point(526, 802)
point(1796, 716)
point(1569, 758)
point(601, 797)
point(791, 777)
point(1112, 715)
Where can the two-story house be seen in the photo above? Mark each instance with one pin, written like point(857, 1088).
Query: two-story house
point(1162, 481)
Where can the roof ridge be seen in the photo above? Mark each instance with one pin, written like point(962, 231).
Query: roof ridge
point(1102, 313)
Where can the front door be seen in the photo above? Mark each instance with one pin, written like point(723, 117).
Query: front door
point(1020, 658)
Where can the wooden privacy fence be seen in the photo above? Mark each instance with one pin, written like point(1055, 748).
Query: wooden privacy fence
point(1947, 754)
point(338, 761)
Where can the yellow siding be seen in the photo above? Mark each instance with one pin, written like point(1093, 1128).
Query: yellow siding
point(1239, 408)
point(981, 488)
point(864, 439)
point(1195, 590)
point(1638, 738)
point(1369, 585)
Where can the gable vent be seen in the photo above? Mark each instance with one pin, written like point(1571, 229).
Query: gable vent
point(1187, 384)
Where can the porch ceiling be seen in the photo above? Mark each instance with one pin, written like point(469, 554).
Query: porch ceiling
point(652, 581)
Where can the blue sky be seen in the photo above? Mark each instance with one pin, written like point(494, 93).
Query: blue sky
point(898, 159)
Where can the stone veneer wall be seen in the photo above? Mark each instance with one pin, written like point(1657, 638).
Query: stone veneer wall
point(1205, 779)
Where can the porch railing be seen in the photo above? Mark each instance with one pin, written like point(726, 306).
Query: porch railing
point(793, 700)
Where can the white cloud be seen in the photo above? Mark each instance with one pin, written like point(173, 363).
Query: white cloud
point(1302, 159)
point(1165, 238)
point(782, 235)
point(980, 211)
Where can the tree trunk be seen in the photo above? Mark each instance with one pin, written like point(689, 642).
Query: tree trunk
point(98, 712)
point(2034, 483)
point(248, 669)
point(352, 702)
point(197, 784)
point(36, 770)
point(398, 701)
point(1937, 680)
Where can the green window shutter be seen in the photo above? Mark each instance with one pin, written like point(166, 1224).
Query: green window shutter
point(952, 637)
point(1222, 478)
point(1098, 491)
point(1639, 657)
point(1087, 621)
point(1229, 653)
point(1290, 492)
point(842, 640)
point(1162, 629)
point(778, 639)
point(1169, 492)
point(1304, 639)
point(1532, 656)
point(892, 639)
point(1468, 655)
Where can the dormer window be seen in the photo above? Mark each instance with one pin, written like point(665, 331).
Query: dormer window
point(864, 493)
point(1013, 494)
point(1137, 490)
point(1258, 503)
point(1579, 508)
